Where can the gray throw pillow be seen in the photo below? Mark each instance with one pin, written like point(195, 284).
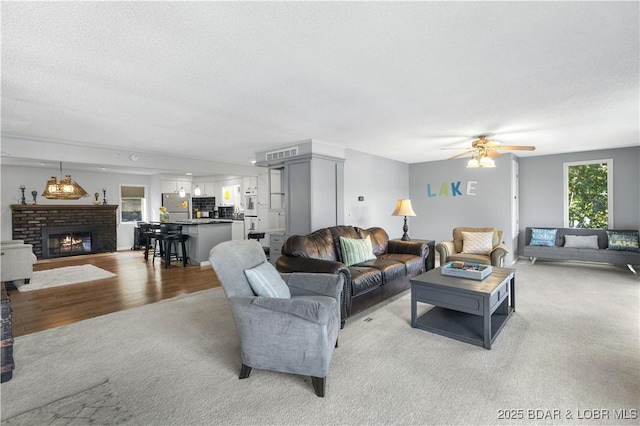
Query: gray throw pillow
point(581, 241)
point(266, 281)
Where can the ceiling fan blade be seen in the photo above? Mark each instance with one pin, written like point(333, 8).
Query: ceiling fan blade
point(492, 153)
point(462, 147)
point(462, 154)
point(515, 148)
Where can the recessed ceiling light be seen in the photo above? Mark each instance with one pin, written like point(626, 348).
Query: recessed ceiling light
point(253, 161)
point(134, 157)
point(189, 173)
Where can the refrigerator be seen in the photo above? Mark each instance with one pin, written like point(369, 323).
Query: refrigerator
point(179, 208)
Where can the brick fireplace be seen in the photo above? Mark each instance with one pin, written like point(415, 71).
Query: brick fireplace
point(65, 230)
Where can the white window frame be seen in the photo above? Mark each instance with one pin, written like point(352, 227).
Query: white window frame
point(565, 186)
point(143, 206)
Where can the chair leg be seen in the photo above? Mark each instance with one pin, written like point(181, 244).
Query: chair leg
point(245, 371)
point(336, 343)
point(319, 385)
point(167, 254)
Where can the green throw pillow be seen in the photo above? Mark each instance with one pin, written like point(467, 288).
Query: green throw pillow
point(265, 281)
point(356, 250)
point(623, 240)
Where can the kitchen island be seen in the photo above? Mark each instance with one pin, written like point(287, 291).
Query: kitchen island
point(203, 235)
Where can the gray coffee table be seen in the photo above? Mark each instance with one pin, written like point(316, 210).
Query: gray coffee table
point(464, 309)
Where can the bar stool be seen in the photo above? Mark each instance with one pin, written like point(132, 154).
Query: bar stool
point(148, 235)
point(172, 236)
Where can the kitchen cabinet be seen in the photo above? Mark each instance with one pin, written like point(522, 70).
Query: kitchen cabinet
point(173, 186)
point(250, 185)
point(203, 237)
point(206, 189)
point(237, 230)
point(314, 190)
point(276, 241)
point(276, 188)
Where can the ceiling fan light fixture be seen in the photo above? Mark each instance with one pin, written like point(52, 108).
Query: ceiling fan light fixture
point(487, 162)
point(473, 163)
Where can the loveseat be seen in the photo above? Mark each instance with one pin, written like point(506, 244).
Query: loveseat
point(592, 245)
point(367, 282)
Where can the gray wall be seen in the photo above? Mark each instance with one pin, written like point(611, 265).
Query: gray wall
point(437, 214)
point(381, 182)
point(541, 188)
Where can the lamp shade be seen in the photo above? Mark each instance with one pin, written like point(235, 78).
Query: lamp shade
point(403, 208)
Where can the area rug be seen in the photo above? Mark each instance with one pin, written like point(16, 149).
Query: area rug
point(98, 405)
point(571, 348)
point(64, 276)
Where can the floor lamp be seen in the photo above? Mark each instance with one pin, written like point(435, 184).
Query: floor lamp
point(403, 208)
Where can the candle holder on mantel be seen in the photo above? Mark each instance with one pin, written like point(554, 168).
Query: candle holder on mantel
point(23, 201)
point(104, 196)
point(34, 194)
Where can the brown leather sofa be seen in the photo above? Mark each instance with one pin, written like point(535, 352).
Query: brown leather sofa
point(366, 283)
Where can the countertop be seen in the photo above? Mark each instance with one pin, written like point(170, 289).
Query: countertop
point(203, 222)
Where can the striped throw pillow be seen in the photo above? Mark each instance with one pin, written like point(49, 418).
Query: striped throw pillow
point(265, 281)
point(356, 250)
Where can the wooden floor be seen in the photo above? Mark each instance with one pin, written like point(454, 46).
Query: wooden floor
point(138, 283)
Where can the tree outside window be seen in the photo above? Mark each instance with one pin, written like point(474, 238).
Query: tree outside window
point(132, 202)
point(588, 194)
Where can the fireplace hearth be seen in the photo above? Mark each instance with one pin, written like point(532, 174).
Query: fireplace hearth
point(68, 241)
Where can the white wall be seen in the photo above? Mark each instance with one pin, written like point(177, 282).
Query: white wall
point(381, 182)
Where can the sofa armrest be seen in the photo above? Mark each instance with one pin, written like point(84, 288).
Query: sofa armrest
point(305, 283)
point(445, 249)
point(497, 254)
point(308, 264)
point(408, 247)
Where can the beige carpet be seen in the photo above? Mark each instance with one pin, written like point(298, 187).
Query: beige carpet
point(65, 276)
point(572, 346)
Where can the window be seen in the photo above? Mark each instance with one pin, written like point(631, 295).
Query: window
point(588, 194)
point(132, 203)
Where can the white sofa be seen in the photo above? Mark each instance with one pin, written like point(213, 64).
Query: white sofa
point(17, 261)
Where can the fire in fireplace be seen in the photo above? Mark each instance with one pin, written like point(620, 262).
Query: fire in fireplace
point(68, 241)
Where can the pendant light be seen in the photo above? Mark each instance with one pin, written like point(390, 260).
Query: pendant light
point(65, 189)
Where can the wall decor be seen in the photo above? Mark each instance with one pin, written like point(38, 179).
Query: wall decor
point(453, 189)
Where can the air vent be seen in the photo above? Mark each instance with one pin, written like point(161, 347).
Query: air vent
point(280, 155)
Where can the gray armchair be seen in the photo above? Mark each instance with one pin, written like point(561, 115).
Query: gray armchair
point(296, 335)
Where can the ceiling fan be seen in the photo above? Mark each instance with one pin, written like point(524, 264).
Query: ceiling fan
point(484, 150)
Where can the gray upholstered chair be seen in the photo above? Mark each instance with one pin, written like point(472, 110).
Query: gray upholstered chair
point(296, 335)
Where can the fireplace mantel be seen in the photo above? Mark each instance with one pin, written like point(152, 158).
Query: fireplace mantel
point(40, 207)
point(28, 222)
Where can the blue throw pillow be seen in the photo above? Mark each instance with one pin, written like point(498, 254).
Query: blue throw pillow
point(265, 281)
point(623, 240)
point(543, 237)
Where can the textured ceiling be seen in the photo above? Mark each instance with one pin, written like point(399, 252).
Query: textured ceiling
point(222, 80)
